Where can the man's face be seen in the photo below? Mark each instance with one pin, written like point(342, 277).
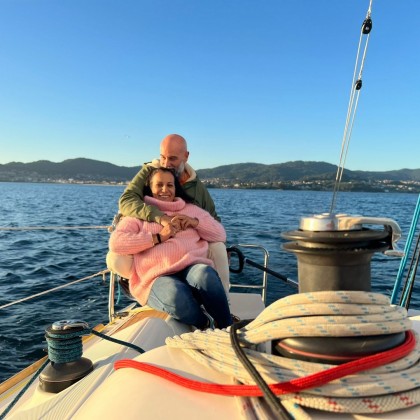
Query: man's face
point(173, 156)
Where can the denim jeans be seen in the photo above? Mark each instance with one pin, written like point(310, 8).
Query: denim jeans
point(181, 295)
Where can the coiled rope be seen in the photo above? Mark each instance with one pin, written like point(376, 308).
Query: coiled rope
point(69, 347)
point(65, 349)
point(381, 388)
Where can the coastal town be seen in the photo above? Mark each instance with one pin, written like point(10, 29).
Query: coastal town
point(385, 186)
point(322, 185)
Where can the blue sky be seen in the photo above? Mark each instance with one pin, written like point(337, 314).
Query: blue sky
point(264, 81)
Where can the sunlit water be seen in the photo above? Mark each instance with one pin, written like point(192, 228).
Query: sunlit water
point(34, 261)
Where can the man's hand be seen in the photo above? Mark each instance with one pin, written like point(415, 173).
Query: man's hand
point(165, 220)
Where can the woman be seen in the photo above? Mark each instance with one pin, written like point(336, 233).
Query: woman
point(171, 271)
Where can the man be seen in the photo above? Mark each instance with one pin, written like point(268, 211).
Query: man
point(173, 154)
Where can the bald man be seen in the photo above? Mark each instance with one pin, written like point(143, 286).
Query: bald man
point(173, 154)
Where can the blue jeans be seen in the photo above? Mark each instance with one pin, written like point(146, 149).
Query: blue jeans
point(181, 294)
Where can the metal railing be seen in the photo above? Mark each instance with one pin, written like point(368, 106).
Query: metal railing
point(263, 286)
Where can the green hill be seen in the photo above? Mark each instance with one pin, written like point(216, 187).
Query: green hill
point(89, 170)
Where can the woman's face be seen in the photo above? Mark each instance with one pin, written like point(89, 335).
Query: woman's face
point(163, 186)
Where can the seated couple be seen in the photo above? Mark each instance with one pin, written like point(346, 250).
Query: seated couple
point(171, 269)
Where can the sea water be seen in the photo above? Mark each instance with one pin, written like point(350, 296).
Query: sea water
point(33, 261)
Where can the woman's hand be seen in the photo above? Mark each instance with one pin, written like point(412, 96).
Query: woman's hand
point(168, 231)
point(182, 222)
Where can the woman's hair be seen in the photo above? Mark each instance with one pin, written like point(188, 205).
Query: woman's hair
point(179, 191)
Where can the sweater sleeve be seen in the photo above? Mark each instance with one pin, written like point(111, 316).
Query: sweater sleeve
point(129, 237)
point(208, 228)
point(132, 203)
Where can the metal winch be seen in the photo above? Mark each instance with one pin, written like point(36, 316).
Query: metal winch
point(334, 251)
point(65, 350)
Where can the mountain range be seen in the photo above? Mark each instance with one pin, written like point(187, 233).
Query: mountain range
point(301, 171)
point(89, 170)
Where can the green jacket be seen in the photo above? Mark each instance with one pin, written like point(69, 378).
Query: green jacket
point(131, 202)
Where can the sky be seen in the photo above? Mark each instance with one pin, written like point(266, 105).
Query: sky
point(265, 81)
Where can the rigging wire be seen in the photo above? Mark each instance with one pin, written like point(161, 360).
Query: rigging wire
point(235, 229)
point(353, 101)
point(51, 228)
point(407, 247)
point(411, 275)
point(100, 273)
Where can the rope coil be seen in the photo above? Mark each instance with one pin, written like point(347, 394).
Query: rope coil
point(67, 347)
point(322, 314)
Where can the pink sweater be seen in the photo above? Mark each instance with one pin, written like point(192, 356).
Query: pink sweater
point(134, 236)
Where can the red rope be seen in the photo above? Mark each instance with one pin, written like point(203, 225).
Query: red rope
point(295, 385)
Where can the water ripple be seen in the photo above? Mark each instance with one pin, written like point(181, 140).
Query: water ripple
point(35, 261)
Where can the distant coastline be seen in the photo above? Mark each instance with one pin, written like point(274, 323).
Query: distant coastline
point(376, 187)
point(297, 175)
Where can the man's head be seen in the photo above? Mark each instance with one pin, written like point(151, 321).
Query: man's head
point(174, 153)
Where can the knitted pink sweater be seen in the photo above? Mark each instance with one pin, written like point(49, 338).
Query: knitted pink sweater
point(134, 236)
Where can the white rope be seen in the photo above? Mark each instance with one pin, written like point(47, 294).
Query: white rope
point(100, 273)
point(317, 314)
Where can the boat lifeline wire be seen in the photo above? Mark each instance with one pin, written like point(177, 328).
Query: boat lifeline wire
point(242, 260)
point(100, 273)
point(51, 228)
point(29, 228)
point(353, 101)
